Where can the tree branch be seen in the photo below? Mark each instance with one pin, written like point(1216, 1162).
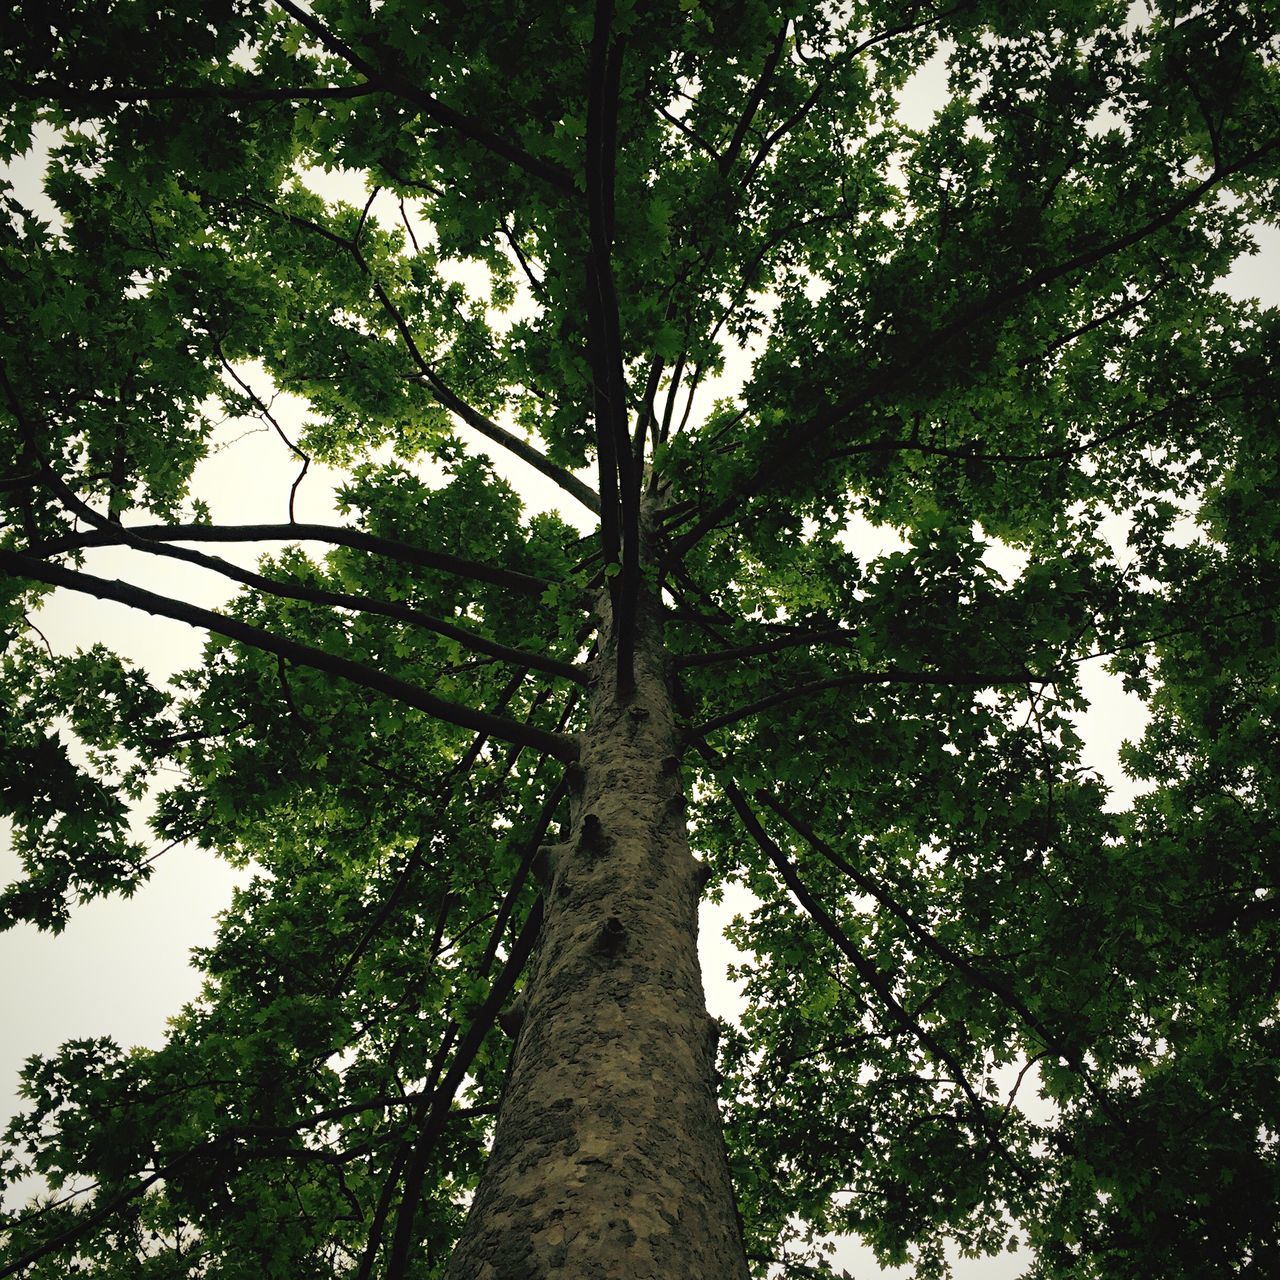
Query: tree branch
point(436, 111)
point(335, 535)
point(22, 566)
point(977, 974)
point(469, 639)
point(764, 474)
point(476, 420)
point(392, 609)
point(861, 679)
point(87, 1221)
point(448, 398)
point(754, 98)
point(865, 969)
point(464, 1055)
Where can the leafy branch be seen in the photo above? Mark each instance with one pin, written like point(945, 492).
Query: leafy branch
point(24, 566)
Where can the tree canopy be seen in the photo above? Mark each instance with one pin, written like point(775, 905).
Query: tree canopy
point(999, 330)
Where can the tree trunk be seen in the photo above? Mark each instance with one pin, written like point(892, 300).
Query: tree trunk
point(608, 1159)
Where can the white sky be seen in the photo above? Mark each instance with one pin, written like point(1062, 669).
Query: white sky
point(120, 969)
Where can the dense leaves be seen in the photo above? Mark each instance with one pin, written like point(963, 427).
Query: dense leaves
point(994, 421)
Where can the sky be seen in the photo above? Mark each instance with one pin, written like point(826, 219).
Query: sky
point(120, 969)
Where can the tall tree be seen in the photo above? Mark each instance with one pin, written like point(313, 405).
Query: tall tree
point(453, 1025)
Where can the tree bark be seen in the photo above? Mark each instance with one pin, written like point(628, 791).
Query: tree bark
point(608, 1160)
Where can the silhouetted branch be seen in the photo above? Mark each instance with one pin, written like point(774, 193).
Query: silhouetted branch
point(861, 679)
point(436, 111)
point(560, 746)
point(866, 970)
point(980, 976)
point(335, 535)
point(754, 98)
point(463, 1057)
point(770, 468)
point(444, 394)
point(283, 589)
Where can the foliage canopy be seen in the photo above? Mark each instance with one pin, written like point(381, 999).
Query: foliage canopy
point(999, 329)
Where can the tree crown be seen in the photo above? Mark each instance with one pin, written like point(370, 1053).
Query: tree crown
point(997, 331)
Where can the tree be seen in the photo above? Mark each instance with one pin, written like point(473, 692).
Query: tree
point(454, 1024)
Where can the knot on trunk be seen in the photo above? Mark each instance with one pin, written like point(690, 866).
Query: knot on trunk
point(612, 937)
point(576, 776)
point(591, 838)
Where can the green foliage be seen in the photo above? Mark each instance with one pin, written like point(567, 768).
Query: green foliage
point(1018, 1013)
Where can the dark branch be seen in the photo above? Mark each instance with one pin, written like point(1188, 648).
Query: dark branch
point(392, 609)
point(448, 398)
point(464, 1055)
point(264, 411)
point(766, 472)
point(865, 968)
point(975, 972)
point(335, 535)
point(21, 566)
point(476, 420)
point(754, 99)
point(436, 111)
point(86, 1222)
point(861, 679)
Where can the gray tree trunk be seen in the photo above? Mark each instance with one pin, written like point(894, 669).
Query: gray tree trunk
point(608, 1159)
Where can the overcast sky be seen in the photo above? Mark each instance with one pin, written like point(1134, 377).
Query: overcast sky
point(120, 969)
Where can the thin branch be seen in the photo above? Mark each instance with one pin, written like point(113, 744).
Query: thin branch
point(436, 111)
point(44, 639)
point(460, 769)
point(996, 984)
point(689, 133)
point(754, 99)
point(335, 535)
point(22, 566)
point(464, 636)
point(408, 226)
point(766, 472)
point(445, 395)
point(86, 1222)
point(535, 285)
point(264, 410)
point(125, 95)
point(861, 679)
point(469, 639)
point(464, 1055)
point(784, 128)
point(476, 420)
point(871, 976)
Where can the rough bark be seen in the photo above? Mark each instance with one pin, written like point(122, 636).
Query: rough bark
point(608, 1159)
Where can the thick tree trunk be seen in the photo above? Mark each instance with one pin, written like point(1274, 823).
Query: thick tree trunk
point(608, 1159)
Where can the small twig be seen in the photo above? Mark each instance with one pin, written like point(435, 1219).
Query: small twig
point(264, 411)
point(26, 617)
point(404, 217)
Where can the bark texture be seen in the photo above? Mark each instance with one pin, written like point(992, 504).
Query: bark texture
point(608, 1159)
